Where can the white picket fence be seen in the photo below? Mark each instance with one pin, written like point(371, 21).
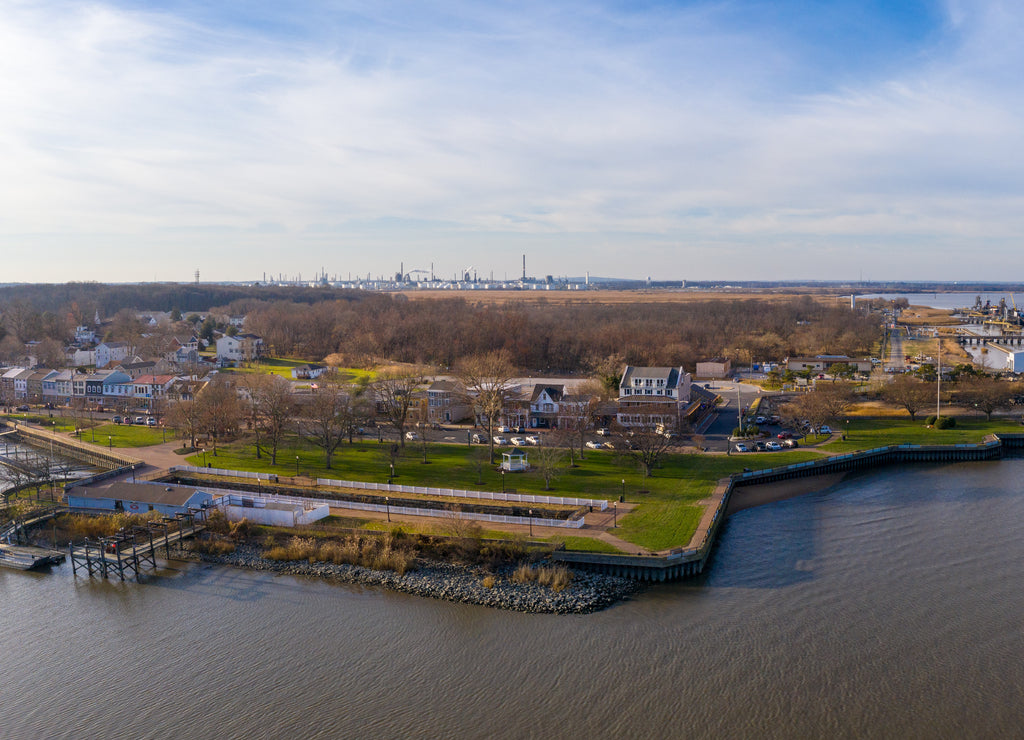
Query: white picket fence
point(408, 510)
point(522, 498)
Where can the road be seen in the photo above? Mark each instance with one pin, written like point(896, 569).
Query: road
point(895, 360)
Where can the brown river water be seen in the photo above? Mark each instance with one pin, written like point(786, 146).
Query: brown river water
point(887, 606)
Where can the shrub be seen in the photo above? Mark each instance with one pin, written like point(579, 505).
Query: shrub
point(930, 420)
point(555, 577)
point(524, 574)
point(214, 546)
point(488, 582)
point(945, 422)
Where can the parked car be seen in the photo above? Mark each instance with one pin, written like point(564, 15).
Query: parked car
point(594, 445)
point(499, 440)
point(151, 422)
point(825, 429)
point(412, 436)
point(504, 430)
point(140, 420)
point(604, 432)
point(518, 441)
point(22, 408)
point(791, 443)
point(761, 445)
point(760, 420)
point(117, 420)
point(532, 439)
point(478, 439)
point(741, 447)
point(773, 446)
point(519, 430)
point(785, 435)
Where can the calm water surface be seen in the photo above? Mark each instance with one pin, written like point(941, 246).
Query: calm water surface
point(888, 606)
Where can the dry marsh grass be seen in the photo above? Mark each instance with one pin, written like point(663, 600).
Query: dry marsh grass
point(379, 553)
point(555, 577)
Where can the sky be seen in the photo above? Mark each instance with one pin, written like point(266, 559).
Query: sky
point(771, 140)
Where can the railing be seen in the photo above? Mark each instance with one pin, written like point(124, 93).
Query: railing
point(407, 510)
point(600, 504)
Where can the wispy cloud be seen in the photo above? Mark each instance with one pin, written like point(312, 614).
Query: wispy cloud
point(600, 137)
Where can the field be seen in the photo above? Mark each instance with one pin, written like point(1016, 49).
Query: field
point(667, 514)
point(283, 366)
point(865, 434)
point(616, 297)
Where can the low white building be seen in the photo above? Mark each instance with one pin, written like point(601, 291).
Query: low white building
point(1003, 358)
point(239, 348)
point(260, 510)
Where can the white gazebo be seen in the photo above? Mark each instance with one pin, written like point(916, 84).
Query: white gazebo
point(514, 461)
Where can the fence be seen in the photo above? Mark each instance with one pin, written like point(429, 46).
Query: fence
point(407, 510)
point(522, 498)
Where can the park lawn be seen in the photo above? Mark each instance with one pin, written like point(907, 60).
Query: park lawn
point(283, 366)
point(667, 515)
point(866, 434)
point(124, 435)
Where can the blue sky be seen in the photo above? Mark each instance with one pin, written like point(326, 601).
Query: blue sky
point(681, 140)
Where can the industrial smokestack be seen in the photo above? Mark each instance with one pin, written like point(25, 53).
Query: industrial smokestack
point(524, 267)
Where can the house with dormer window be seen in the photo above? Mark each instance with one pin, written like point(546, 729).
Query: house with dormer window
point(649, 396)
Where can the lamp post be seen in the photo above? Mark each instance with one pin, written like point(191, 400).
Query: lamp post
point(623, 489)
point(615, 514)
point(531, 521)
point(296, 466)
point(503, 480)
point(163, 430)
point(392, 477)
point(387, 506)
point(110, 443)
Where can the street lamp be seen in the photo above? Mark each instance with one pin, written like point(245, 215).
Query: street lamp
point(623, 489)
point(110, 443)
point(387, 505)
point(163, 430)
point(392, 474)
point(531, 521)
point(615, 514)
point(503, 480)
point(296, 466)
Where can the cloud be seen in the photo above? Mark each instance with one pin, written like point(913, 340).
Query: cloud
point(358, 133)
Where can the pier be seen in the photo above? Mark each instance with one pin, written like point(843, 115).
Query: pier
point(134, 549)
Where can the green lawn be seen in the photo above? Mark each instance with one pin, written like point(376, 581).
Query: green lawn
point(283, 366)
point(865, 434)
point(666, 515)
point(124, 435)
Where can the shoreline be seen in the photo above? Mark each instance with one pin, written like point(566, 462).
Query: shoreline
point(587, 593)
point(747, 497)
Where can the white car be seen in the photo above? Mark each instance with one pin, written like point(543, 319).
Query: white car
point(773, 446)
point(604, 432)
point(499, 440)
point(518, 441)
point(594, 445)
point(826, 429)
point(532, 439)
point(742, 447)
point(412, 436)
point(504, 430)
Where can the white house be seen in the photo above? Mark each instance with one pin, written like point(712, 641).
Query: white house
point(108, 352)
point(239, 348)
point(138, 498)
point(653, 396)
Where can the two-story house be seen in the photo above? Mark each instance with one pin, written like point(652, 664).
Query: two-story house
point(108, 352)
point(544, 405)
point(239, 348)
point(150, 390)
point(446, 403)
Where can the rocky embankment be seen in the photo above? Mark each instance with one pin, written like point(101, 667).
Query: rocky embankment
point(588, 592)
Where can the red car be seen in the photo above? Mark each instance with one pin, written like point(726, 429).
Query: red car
point(784, 435)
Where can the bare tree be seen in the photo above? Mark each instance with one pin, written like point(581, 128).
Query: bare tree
point(487, 381)
point(547, 462)
point(274, 411)
point(329, 416)
point(646, 443)
point(395, 396)
point(909, 393)
point(219, 410)
point(986, 394)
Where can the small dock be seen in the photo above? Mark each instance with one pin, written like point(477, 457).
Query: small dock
point(27, 557)
point(131, 551)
